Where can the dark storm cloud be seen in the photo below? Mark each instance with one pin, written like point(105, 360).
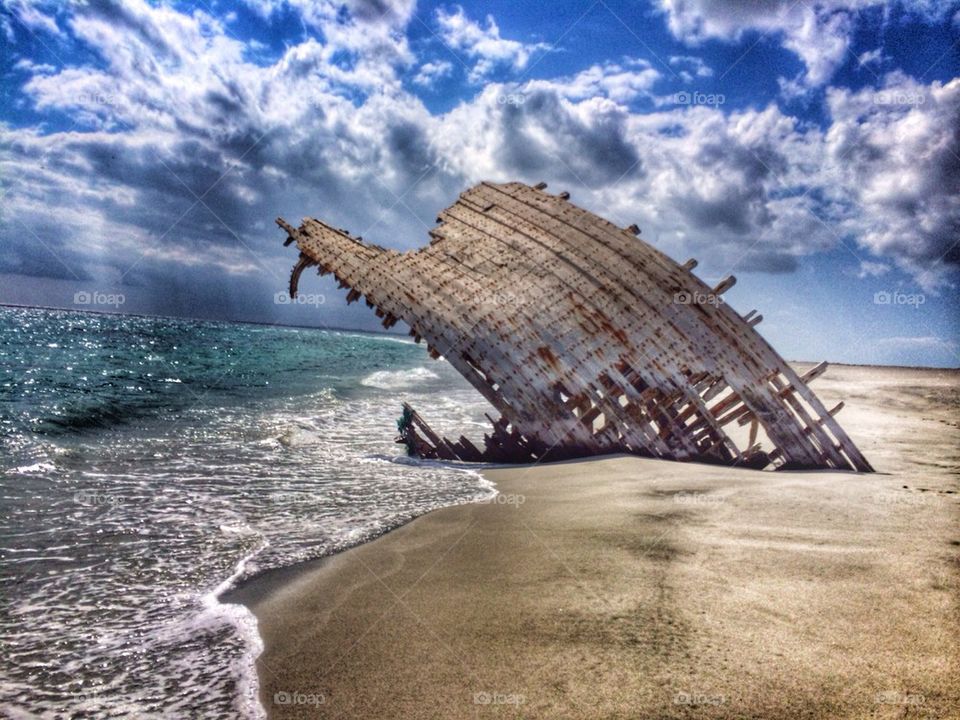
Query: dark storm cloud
point(593, 152)
point(39, 251)
point(409, 145)
point(729, 211)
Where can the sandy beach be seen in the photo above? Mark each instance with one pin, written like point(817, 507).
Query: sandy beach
point(623, 587)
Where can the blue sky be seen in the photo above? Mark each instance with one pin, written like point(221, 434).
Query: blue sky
point(810, 148)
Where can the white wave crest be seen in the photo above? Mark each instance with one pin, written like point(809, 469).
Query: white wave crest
point(394, 379)
point(40, 467)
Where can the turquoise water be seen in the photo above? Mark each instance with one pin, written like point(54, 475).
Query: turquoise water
point(149, 464)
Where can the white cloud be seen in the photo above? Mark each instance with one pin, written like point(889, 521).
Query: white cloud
point(869, 268)
point(36, 16)
point(792, 88)
point(819, 32)
point(484, 44)
point(321, 14)
point(822, 41)
point(690, 67)
point(430, 72)
point(370, 32)
point(31, 67)
point(870, 57)
point(621, 82)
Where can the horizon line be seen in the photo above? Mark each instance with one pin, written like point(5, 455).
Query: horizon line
point(387, 332)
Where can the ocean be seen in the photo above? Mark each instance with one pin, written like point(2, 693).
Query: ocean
point(148, 465)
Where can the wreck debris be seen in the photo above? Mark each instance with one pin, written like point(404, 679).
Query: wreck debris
point(585, 339)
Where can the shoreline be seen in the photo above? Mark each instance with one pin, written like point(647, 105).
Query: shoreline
point(627, 587)
point(245, 592)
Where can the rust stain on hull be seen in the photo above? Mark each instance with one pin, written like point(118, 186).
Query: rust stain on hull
point(586, 339)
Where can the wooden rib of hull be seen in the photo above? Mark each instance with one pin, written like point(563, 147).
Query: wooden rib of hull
point(586, 339)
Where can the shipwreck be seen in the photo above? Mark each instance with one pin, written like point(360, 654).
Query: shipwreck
point(584, 338)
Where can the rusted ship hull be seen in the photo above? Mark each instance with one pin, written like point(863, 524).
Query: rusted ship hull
point(585, 339)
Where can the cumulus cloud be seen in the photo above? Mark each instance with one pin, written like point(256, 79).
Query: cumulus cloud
point(483, 44)
point(896, 151)
point(546, 136)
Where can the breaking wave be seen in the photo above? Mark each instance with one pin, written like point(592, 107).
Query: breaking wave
point(395, 379)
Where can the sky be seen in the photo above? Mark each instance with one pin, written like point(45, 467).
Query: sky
point(811, 149)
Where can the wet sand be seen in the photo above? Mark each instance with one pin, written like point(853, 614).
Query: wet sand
point(630, 588)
